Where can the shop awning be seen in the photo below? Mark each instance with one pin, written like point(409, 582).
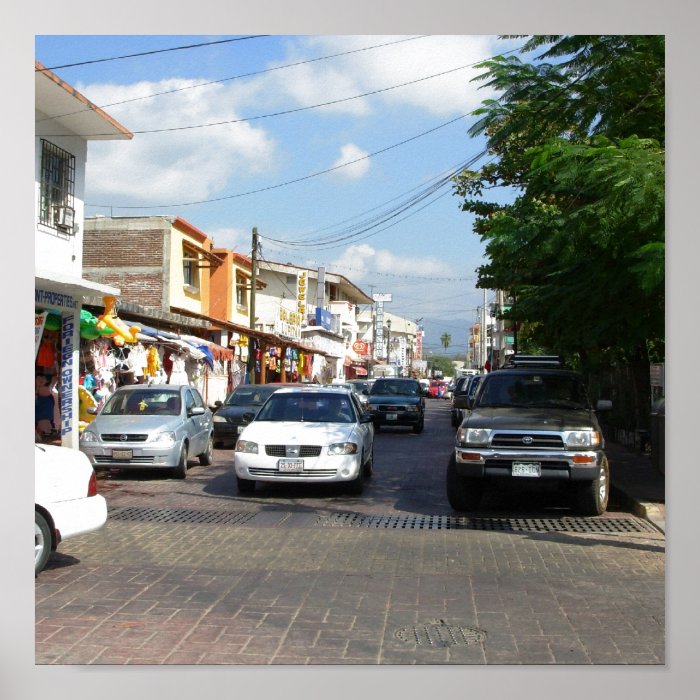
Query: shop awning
point(77, 287)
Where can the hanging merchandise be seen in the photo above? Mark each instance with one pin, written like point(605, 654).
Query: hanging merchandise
point(152, 361)
point(121, 333)
point(46, 357)
point(178, 374)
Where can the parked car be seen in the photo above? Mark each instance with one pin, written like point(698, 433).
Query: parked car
point(530, 421)
point(238, 409)
point(464, 387)
point(306, 434)
point(66, 502)
point(397, 401)
point(437, 389)
point(158, 426)
point(361, 387)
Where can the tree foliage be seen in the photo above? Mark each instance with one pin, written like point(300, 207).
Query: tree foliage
point(578, 137)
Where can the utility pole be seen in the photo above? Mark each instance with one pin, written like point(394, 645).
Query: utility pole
point(253, 285)
point(483, 333)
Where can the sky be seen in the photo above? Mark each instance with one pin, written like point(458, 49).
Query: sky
point(338, 149)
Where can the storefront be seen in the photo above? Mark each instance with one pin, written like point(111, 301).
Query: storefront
point(57, 354)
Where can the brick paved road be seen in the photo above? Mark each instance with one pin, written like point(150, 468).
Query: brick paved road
point(304, 576)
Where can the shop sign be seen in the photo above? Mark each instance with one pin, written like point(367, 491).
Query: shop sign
point(302, 291)
point(289, 324)
point(57, 300)
point(324, 318)
point(68, 339)
point(39, 322)
point(360, 347)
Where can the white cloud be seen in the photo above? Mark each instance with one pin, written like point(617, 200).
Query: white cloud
point(357, 168)
point(175, 166)
point(231, 238)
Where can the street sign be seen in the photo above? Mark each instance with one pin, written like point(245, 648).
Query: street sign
point(381, 297)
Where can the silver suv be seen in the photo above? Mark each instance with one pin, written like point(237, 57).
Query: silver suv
point(531, 420)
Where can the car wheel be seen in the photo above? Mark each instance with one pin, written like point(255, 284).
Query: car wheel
point(42, 542)
point(369, 464)
point(207, 457)
point(592, 496)
point(418, 428)
point(245, 485)
point(180, 471)
point(463, 493)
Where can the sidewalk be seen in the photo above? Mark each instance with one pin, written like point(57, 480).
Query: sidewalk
point(637, 483)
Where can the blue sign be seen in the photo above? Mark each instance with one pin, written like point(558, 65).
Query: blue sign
point(324, 318)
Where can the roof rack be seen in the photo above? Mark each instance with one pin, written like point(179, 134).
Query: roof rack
point(533, 361)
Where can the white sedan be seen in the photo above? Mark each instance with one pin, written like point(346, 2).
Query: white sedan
point(306, 434)
point(66, 502)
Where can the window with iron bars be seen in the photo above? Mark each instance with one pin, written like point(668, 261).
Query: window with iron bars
point(57, 204)
point(190, 267)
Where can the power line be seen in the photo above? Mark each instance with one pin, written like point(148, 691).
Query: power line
point(155, 51)
point(237, 77)
point(288, 182)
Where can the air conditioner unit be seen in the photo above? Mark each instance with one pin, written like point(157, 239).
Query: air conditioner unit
point(64, 217)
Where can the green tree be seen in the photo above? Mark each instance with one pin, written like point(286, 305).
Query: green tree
point(445, 340)
point(577, 136)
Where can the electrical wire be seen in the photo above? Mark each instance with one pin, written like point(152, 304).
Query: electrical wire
point(155, 51)
point(236, 77)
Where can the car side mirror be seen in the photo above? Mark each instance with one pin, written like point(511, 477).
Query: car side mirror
point(603, 405)
point(366, 417)
point(218, 403)
point(196, 411)
point(92, 410)
point(248, 416)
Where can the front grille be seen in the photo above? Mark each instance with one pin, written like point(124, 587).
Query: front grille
point(307, 473)
point(107, 459)
point(547, 441)
point(281, 450)
point(130, 437)
point(508, 463)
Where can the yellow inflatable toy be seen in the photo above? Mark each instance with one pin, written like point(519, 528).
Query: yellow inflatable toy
point(86, 400)
point(122, 332)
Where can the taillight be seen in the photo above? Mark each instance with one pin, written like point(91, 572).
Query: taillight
point(92, 485)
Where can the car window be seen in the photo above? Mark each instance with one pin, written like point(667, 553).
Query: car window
point(533, 390)
point(189, 400)
point(135, 403)
point(198, 401)
point(308, 408)
point(249, 395)
point(388, 386)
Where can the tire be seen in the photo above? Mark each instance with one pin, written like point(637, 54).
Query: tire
point(462, 493)
point(207, 457)
point(418, 428)
point(42, 542)
point(368, 467)
point(592, 496)
point(357, 485)
point(180, 471)
point(245, 485)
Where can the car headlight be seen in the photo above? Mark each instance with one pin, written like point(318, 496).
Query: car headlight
point(473, 437)
point(582, 439)
point(219, 419)
point(166, 439)
point(412, 409)
point(342, 448)
point(88, 436)
point(247, 446)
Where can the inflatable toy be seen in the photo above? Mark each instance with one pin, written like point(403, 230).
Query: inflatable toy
point(86, 400)
point(121, 332)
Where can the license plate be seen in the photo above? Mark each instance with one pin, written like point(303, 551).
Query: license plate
point(527, 469)
point(290, 465)
point(122, 454)
point(392, 416)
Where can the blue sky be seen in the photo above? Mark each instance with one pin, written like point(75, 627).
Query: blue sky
point(235, 138)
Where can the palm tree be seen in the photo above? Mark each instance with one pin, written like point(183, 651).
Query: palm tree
point(445, 339)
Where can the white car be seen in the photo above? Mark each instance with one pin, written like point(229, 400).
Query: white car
point(306, 435)
point(66, 502)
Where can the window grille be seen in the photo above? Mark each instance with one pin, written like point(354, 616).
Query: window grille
point(57, 193)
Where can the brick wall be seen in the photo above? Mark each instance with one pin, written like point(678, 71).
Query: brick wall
point(131, 259)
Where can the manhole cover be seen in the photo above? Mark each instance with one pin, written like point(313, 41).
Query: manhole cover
point(179, 515)
point(603, 525)
point(439, 633)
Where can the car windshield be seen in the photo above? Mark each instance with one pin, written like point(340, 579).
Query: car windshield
point(383, 387)
point(250, 395)
point(140, 403)
point(308, 408)
point(533, 390)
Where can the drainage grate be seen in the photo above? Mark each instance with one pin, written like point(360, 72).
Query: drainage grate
point(179, 515)
point(439, 633)
point(447, 522)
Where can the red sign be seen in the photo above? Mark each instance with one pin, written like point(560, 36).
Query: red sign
point(360, 347)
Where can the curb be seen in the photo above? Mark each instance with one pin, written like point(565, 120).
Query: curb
point(652, 512)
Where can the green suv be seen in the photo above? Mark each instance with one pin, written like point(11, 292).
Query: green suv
point(530, 421)
point(397, 401)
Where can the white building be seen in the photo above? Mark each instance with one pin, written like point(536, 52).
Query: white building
point(65, 122)
point(318, 308)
